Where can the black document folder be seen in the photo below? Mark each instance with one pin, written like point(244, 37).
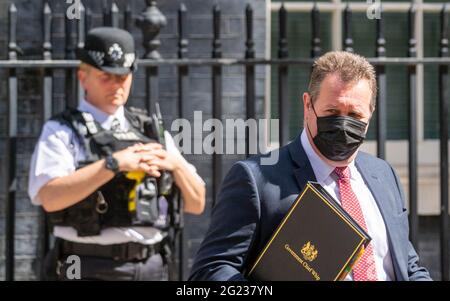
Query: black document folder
point(316, 240)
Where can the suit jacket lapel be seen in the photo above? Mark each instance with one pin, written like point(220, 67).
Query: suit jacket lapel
point(373, 177)
point(303, 171)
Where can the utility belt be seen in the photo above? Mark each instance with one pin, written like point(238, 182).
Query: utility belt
point(55, 265)
point(120, 252)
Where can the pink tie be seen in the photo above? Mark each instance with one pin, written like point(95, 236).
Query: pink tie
point(365, 269)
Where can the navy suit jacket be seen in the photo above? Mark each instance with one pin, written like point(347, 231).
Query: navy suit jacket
point(254, 198)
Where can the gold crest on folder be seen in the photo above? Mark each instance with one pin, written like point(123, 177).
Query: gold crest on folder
point(309, 251)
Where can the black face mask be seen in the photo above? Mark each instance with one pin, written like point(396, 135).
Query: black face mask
point(338, 137)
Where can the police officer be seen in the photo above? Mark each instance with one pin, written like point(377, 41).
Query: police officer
point(109, 176)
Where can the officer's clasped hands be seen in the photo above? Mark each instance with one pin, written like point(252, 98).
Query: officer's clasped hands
point(134, 158)
point(150, 158)
point(159, 157)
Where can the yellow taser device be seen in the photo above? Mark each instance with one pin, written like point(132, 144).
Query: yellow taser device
point(137, 176)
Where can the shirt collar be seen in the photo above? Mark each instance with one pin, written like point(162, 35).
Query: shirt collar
point(321, 169)
point(101, 117)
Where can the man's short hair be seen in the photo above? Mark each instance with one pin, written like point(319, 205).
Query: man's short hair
point(350, 68)
point(85, 67)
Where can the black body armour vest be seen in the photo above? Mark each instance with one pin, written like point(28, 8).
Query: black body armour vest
point(129, 199)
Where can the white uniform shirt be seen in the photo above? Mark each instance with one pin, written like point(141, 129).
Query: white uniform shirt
point(372, 215)
point(56, 155)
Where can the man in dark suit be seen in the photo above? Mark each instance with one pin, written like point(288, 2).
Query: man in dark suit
point(255, 196)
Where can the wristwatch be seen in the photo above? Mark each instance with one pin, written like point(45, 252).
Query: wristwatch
point(112, 164)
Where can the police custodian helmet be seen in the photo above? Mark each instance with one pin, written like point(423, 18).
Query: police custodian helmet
point(109, 49)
